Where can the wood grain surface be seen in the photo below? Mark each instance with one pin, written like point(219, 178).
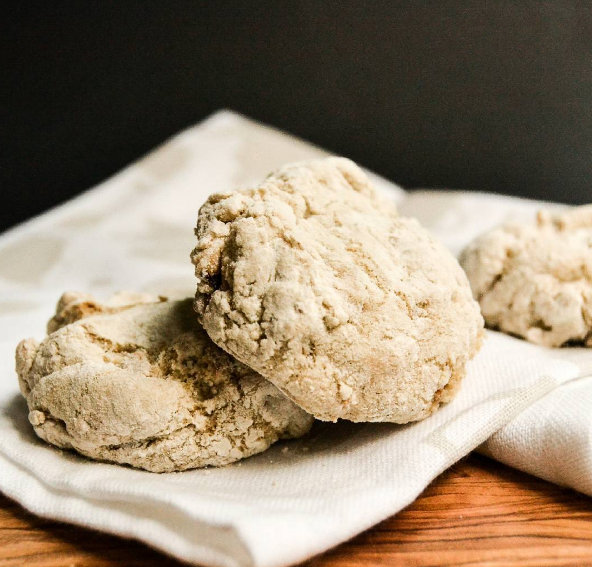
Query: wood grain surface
point(477, 514)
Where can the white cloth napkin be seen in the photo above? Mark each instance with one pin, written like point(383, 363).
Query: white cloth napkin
point(300, 497)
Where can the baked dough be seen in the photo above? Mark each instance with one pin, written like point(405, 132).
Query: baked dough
point(534, 280)
point(143, 385)
point(75, 305)
point(315, 282)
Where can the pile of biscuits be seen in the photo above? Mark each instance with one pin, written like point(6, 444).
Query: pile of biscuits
point(315, 299)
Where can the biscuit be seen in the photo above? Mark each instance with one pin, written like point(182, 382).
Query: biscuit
point(143, 385)
point(534, 280)
point(316, 283)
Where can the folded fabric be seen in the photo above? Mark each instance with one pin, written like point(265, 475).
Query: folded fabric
point(300, 497)
point(552, 438)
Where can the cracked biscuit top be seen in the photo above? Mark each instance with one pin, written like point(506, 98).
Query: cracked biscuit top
point(534, 280)
point(315, 282)
point(137, 381)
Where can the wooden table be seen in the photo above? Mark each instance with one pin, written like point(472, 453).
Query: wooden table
point(479, 513)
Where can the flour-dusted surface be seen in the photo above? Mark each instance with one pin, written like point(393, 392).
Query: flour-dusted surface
point(145, 386)
point(534, 279)
point(315, 282)
point(300, 497)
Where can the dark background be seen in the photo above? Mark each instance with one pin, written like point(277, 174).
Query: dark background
point(493, 96)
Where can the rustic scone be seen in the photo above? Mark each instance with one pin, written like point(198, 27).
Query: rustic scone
point(315, 282)
point(145, 386)
point(535, 280)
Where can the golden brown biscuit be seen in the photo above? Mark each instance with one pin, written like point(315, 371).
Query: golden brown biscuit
point(534, 280)
point(145, 386)
point(315, 282)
